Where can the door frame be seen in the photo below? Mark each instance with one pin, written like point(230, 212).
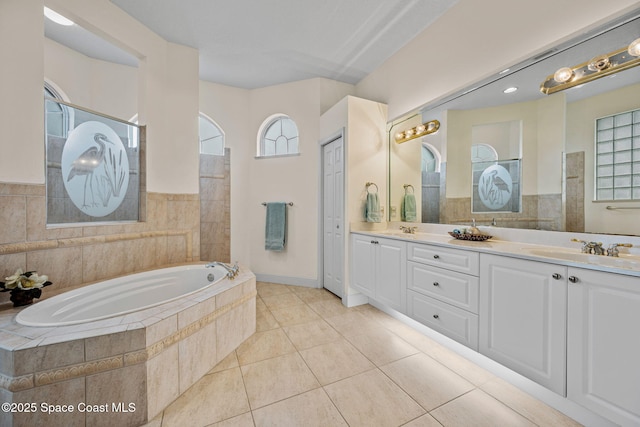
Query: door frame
point(321, 143)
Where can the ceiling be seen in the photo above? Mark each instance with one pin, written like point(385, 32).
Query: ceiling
point(251, 44)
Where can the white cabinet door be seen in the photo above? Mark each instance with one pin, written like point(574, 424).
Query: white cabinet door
point(363, 264)
point(522, 313)
point(604, 344)
point(391, 261)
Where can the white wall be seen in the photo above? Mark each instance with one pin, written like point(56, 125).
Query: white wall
point(475, 39)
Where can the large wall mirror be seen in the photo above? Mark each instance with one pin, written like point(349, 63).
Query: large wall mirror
point(569, 161)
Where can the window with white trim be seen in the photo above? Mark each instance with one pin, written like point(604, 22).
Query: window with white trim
point(618, 156)
point(278, 137)
point(211, 136)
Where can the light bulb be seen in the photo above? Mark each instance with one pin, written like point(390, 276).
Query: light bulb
point(563, 75)
point(634, 48)
point(420, 128)
point(409, 132)
point(56, 17)
point(399, 135)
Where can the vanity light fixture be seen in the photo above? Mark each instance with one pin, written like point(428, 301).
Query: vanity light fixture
point(418, 131)
point(599, 66)
point(57, 18)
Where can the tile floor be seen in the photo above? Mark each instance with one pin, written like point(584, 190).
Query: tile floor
point(314, 362)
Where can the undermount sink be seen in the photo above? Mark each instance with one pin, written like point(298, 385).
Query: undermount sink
point(623, 261)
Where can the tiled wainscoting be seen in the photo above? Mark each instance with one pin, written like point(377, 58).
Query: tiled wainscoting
point(127, 369)
point(71, 256)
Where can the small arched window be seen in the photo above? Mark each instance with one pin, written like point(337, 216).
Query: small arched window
point(57, 115)
point(278, 137)
point(483, 153)
point(211, 136)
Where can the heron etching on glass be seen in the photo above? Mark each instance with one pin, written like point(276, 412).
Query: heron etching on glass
point(87, 163)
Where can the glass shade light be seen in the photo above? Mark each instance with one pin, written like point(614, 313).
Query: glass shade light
point(634, 48)
point(563, 75)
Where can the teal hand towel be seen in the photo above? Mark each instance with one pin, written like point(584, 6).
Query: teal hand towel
point(408, 208)
point(372, 208)
point(276, 226)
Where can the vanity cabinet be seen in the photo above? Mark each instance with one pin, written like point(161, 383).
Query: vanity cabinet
point(604, 344)
point(442, 291)
point(379, 269)
point(523, 312)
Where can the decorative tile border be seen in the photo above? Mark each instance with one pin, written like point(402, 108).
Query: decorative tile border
point(14, 384)
point(13, 248)
point(79, 370)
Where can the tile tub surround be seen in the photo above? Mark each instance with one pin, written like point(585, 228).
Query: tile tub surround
point(148, 358)
point(75, 255)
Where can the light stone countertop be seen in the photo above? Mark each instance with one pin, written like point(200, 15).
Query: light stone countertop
point(626, 264)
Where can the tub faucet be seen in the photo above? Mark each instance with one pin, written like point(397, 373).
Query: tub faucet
point(232, 271)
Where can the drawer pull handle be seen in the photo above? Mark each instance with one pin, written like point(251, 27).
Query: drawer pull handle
point(436, 257)
point(573, 279)
point(436, 284)
point(557, 276)
point(435, 316)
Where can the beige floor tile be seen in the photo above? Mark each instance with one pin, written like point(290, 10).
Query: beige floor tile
point(416, 339)
point(329, 307)
point(462, 366)
point(156, 422)
point(335, 361)
point(382, 346)
point(352, 323)
point(310, 295)
point(231, 361)
point(214, 398)
point(265, 321)
point(307, 335)
point(275, 379)
point(310, 409)
point(275, 302)
point(244, 420)
point(266, 289)
point(295, 315)
point(372, 399)
point(533, 409)
point(434, 385)
point(424, 421)
point(478, 409)
point(264, 345)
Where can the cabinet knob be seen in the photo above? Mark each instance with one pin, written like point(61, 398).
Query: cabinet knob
point(557, 276)
point(435, 316)
point(436, 257)
point(573, 279)
point(436, 284)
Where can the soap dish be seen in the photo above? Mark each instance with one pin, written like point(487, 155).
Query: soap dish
point(471, 237)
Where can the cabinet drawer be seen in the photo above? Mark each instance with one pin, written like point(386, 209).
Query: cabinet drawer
point(452, 259)
point(454, 288)
point(457, 324)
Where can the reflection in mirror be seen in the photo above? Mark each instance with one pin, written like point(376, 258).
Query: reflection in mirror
point(553, 136)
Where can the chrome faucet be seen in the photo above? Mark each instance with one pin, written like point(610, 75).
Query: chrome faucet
point(232, 271)
point(409, 230)
point(612, 250)
point(590, 247)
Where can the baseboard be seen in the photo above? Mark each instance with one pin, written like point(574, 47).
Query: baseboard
point(287, 280)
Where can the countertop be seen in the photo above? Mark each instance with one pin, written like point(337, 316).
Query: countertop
point(625, 264)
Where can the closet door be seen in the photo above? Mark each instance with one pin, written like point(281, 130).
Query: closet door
point(333, 218)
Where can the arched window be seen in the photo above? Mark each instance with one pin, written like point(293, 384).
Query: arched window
point(483, 153)
point(211, 136)
point(430, 158)
point(278, 137)
point(57, 115)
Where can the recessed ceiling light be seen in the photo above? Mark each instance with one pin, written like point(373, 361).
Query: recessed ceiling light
point(510, 90)
point(56, 17)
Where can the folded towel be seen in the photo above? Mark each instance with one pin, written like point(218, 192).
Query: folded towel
point(276, 226)
point(372, 208)
point(408, 208)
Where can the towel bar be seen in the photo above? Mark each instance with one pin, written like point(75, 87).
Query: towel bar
point(615, 208)
point(289, 203)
